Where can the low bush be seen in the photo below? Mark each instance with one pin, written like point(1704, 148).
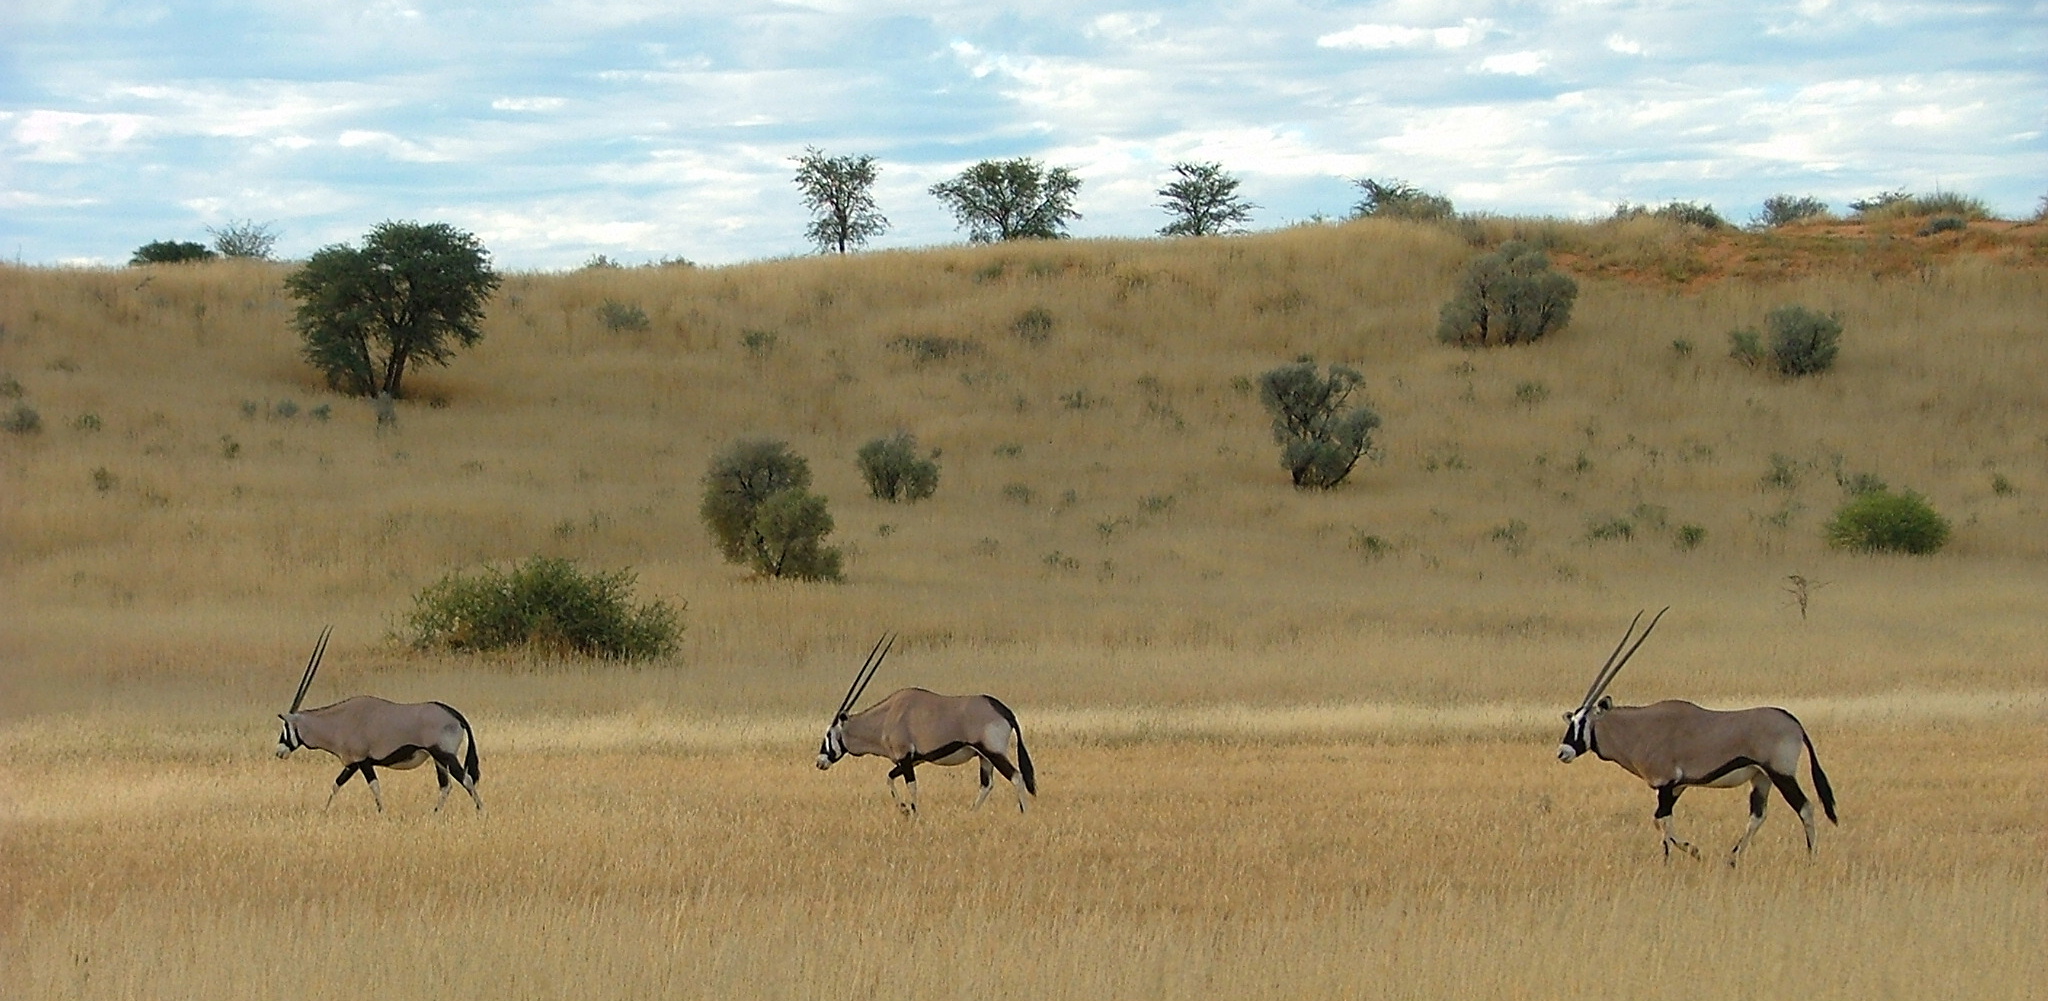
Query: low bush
point(545, 605)
point(1803, 342)
point(23, 419)
point(1395, 199)
point(1510, 296)
point(1883, 521)
point(1321, 436)
point(1784, 210)
point(171, 252)
point(617, 316)
point(895, 472)
point(779, 538)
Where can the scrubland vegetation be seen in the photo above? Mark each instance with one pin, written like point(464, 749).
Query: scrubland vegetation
point(1291, 742)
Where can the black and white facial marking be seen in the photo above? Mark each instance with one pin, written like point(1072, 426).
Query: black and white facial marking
point(833, 747)
point(1578, 730)
point(288, 738)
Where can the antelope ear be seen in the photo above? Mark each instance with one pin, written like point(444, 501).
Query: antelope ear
point(1606, 703)
point(1567, 717)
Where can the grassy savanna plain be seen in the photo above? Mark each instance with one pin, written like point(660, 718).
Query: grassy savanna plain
point(1290, 744)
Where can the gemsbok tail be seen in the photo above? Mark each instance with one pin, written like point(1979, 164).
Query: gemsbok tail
point(1023, 756)
point(470, 758)
point(1820, 780)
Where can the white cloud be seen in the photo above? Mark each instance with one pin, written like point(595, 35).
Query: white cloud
point(1625, 45)
point(1514, 63)
point(527, 104)
point(1394, 36)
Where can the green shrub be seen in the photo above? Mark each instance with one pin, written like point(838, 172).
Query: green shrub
point(1034, 325)
point(23, 419)
point(1784, 210)
point(791, 526)
point(545, 605)
point(1321, 436)
point(1883, 521)
point(170, 252)
point(86, 422)
point(1942, 224)
point(11, 387)
point(1610, 529)
point(1746, 345)
point(2001, 485)
point(617, 316)
point(1682, 213)
point(1510, 296)
point(1394, 199)
point(930, 349)
point(758, 342)
point(1803, 342)
point(738, 487)
point(104, 480)
point(1783, 474)
point(895, 472)
point(1690, 536)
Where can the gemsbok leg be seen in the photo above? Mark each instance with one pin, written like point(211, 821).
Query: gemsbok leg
point(1759, 799)
point(1667, 798)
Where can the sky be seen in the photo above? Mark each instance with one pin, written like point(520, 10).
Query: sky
point(643, 130)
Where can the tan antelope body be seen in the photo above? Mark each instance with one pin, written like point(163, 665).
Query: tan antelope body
point(368, 733)
point(1674, 745)
point(912, 727)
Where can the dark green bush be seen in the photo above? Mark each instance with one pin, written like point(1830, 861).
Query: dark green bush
point(545, 605)
point(1394, 199)
point(1034, 325)
point(792, 526)
point(1746, 345)
point(171, 252)
point(738, 487)
point(894, 471)
point(1321, 436)
point(1510, 296)
point(1883, 521)
point(1942, 224)
point(617, 316)
point(1803, 342)
point(23, 419)
point(1784, 210)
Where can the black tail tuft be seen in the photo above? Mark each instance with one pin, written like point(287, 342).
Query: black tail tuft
point(1023, 756)
point(469, 758)
point(1820, 781)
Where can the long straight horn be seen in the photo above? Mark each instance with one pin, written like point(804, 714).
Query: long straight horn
point(1616, 669)
point(1600, 677)
point(866, 672)
point(311, 666)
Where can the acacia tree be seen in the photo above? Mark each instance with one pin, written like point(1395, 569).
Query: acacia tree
point(412, 294)
point(1395, 199)
point(1204, 201)
point(1011, 200)
point(170, 252)
point(244, 238)
point(839, 191)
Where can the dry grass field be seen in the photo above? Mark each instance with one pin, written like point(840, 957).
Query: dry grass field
point(1290, 744)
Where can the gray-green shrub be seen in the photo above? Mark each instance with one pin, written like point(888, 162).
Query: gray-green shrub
point(1883, 521)
point(1510, 296)
point(894, 471)
point(617, 316)
point(1784, 210)
point(1803, 342)
point(23, 419)
point(1321, 436)
point(791, 527)
point(545, 605)
point(1396, 199)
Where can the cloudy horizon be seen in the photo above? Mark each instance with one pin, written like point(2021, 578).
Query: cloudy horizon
point(641, 130)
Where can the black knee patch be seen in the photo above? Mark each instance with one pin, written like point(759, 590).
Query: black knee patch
point(1667, 797)
point(1758, 799)
point(347, 772)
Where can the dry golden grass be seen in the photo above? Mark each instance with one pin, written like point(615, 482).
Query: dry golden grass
point(1278, 761)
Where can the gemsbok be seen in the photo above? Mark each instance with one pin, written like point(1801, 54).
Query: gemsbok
point(368, 733)
point(914, 727)
point(1674, 745)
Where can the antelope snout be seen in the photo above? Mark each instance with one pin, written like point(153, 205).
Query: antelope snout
point(1565, 753)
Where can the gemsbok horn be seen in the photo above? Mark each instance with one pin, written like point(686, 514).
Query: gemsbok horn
point(914, 727)
point(368, 733)
point(1674, 745)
